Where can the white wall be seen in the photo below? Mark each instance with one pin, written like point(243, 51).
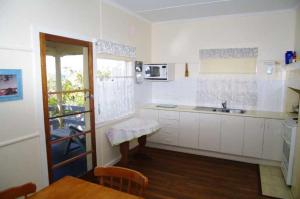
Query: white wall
point(21, 161)
point(22, 145)
point(180, 41)
point(122, 27)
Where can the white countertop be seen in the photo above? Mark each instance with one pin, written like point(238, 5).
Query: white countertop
point(249, 113)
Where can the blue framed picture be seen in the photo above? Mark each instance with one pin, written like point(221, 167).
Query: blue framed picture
point(11, 85)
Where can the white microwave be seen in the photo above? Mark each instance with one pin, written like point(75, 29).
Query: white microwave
point(160, 72)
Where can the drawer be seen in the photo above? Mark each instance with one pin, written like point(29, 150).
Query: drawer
point(169, 115)
point(169, 123)
point(170, 138)
point(167, 129)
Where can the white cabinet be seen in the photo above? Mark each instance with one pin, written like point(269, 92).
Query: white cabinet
point(253, 137)
point(232, 133)
point(228, 134)
point(149, 114)
point(168, 134)
point(209, 132)
point(273, 143)
point(153, 115)
point(188, 130)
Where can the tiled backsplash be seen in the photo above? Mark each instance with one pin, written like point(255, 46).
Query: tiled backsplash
point(238, 92)
point(247, 92)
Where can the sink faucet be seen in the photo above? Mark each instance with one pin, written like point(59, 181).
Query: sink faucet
point(224, 105)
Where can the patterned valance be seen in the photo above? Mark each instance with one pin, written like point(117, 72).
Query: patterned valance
point(228, 53)
point(115, 49)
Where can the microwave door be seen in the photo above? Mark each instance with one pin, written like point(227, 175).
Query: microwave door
point(152, 72)
point(155, 71)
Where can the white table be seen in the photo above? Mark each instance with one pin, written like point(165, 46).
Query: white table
point(134, 128)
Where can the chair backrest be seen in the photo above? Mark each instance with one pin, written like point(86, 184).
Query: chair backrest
point(15, 192)
point(123, 179)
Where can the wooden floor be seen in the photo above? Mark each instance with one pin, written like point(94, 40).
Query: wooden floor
point(186, 176)
point(174, 175)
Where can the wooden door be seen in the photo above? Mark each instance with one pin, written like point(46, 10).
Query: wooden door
point(67, 78)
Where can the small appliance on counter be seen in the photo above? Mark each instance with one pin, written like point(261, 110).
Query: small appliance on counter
point(159, 72)
point(139, 72)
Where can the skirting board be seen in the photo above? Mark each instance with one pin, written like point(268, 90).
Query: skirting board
point(214, 154)
point(113, 162)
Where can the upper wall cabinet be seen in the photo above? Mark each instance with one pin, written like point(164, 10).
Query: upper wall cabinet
point(293, 75)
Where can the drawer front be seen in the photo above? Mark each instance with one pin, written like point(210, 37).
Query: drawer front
point(169, 123)
point(169, 115)
point(165, 135)
point(168, 136)
point(148, 114)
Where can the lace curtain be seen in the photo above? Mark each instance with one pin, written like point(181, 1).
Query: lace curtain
point(115, 89)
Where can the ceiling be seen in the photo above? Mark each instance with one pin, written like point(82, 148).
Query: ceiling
point(165, 10)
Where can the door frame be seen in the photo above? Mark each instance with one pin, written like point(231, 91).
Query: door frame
point(43, 37)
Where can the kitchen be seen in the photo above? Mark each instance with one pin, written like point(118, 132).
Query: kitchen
point(187, 38)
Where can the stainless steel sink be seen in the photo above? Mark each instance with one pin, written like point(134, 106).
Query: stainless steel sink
point(213, 109)
point(228, 110)
point(204, 108)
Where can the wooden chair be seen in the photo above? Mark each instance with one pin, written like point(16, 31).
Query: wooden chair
point(122, 179)
point(19, 191)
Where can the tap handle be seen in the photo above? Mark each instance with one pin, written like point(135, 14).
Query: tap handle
point(224, 104)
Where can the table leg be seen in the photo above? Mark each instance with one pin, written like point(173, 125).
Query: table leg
point(124, 149)
point(142, 143)
point(142, 153)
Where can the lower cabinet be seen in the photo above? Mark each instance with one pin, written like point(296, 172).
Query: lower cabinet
point(209, 132)
point(237, 135)
point(232, 134)
point(153, 115)
point(148, 114)
point(188, 129)
point(273, 142)
point(253, 137)
point(169, 131)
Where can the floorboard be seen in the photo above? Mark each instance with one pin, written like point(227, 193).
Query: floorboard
point(174, 175)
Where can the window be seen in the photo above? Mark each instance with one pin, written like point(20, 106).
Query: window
point(229, 60)
point(115, 89)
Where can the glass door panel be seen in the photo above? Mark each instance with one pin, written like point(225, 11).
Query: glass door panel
point(69, 117)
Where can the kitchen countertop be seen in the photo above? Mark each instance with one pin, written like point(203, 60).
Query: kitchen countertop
point(249, 113)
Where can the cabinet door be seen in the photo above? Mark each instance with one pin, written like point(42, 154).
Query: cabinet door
point(232, 131)
point(209, 132)
point(168, 135)
point(149, 114)
point(153, 115)
point(188, 129)
point(273, 143)
point(253, 137)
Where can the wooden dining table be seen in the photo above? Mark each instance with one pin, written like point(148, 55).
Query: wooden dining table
point(75, 188)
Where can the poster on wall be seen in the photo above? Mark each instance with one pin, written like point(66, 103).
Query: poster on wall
point(11, 85)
